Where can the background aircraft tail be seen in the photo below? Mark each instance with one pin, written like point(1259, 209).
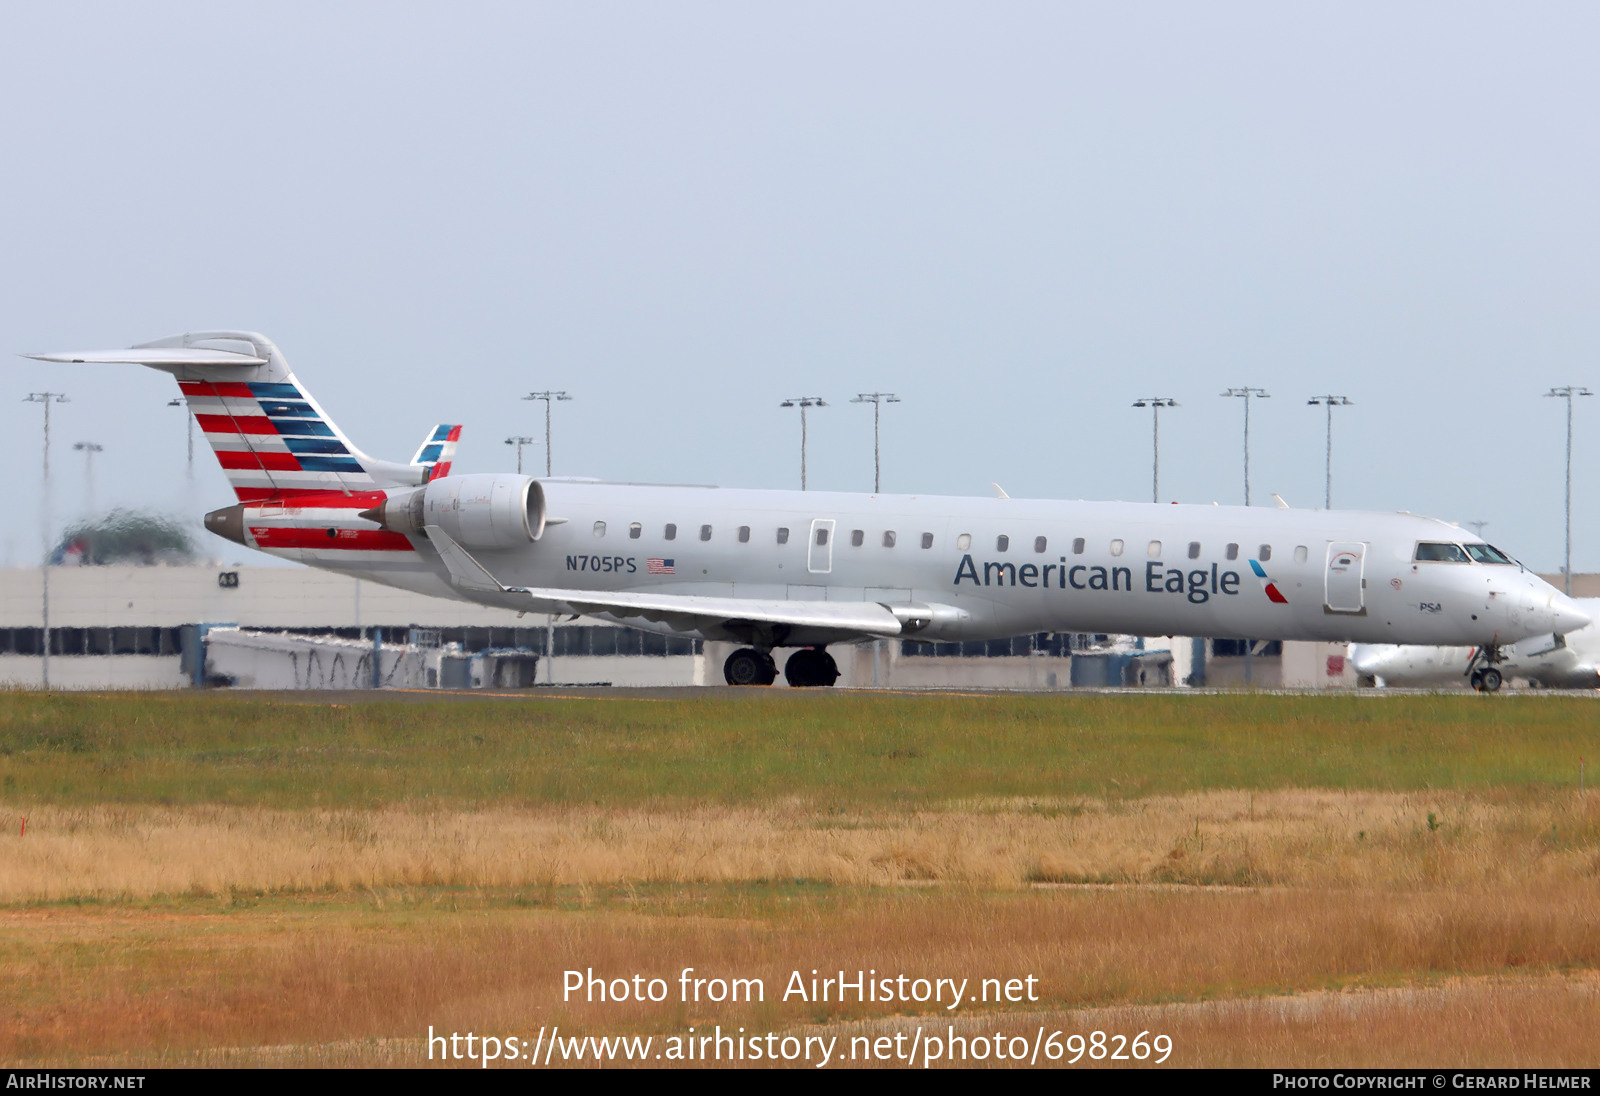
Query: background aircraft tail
point(438, 451)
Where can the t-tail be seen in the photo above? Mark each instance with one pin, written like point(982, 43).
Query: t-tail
point(276, 444)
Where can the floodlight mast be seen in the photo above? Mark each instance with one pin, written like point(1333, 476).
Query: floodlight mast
point(547, 397)
point(1567, 392)
point(803, 402)
point(519, 440)
point(1330, 402)
point(88, 449)
point(185, 405)
point(877, 400)
point(1155, 404)
point(1246, 394)
point(45, 398)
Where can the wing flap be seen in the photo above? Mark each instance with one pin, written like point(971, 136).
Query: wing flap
point(683, 611)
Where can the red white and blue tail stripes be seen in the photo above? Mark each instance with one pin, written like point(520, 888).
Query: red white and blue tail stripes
point(438, 451)
point(273, 441)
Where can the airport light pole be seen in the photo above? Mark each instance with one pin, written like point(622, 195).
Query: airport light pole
point(519, 441)
point(1155, 404)
point(1477, 527)
point(1246, 394)
point(88, 449)
point(1330, 402)
point(877, 400)
point(1567, 392)
point(185, 405)
point(548, 398)
point(45, 398)
point(803, 402)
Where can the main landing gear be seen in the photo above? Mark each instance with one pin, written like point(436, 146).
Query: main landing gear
point(748, 666)
point(1481, 671)
point(807, 667)
point(810, 666)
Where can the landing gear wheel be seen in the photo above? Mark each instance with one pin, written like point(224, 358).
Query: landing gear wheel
point(1476, 680)
point(809, 667)
point(748, 666)
point(1489, 680)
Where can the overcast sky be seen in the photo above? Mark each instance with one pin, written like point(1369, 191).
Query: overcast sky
point(1018, 217)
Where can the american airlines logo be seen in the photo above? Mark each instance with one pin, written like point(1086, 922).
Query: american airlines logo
point(659, 567)
point(1273, 594)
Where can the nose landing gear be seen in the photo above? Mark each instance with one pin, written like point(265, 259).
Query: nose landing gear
point(1481, 671)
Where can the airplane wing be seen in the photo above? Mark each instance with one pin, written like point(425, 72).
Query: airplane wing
point(687, 612)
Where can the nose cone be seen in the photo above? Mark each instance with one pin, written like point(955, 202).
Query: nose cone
point(1565, 615)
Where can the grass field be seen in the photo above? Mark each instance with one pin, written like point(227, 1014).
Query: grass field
point(217, 879)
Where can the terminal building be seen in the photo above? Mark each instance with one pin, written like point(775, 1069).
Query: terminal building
point(211, 625)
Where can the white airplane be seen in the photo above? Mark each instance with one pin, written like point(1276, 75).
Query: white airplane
point(797, 569)
point(1571, 661)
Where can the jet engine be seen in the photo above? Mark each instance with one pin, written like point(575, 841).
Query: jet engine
point(487, 510)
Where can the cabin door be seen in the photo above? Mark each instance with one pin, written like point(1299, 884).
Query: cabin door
point(1345, 578)
point(819, 551)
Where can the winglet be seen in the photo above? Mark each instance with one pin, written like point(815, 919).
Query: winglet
point(999, 492)
point(1277, 498)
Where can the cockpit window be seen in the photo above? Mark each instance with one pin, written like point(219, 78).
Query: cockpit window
point(1439, 553)
point(1488, 553)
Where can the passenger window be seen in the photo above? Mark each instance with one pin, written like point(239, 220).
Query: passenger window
point(670, 532)
point(857, 538)
point(1266, 553)
point(705, 532)
point(1155, 549)
point(1002, 543)
point(1233, 551)
point(1440, 553)
point(783, 535)
point(1194, 549)
point(927, 540)
point(1116, 547)
point(1077, 546)
point(1300, 553)
point(599, 528)
point(744, 534)
point(1040, 544)
point(964, 541)
point(822, 535)
point(888, 538)
point(634, 530)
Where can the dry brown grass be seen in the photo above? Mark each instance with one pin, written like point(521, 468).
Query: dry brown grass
point(340, 982)
point(1287, 838)
point(149, 935)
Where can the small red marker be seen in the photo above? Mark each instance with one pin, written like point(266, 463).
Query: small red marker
point(24, 832)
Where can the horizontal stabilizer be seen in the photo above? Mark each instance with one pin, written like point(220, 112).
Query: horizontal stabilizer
point(156, 355)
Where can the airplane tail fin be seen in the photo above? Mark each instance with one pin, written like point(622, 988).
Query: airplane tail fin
point(271, 437)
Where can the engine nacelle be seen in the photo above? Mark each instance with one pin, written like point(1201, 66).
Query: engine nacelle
point(487, 510)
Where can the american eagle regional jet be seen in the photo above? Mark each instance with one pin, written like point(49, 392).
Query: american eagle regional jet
point(803, 570)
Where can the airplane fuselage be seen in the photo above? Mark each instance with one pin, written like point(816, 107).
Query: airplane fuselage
point(1008, 565)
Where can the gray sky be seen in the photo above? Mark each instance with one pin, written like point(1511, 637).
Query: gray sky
point(1019, 217)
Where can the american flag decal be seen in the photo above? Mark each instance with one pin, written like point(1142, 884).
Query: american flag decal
point(659, 567)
